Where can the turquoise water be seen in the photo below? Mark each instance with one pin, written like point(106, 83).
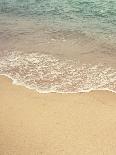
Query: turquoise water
point(85, 15)
point(59, 45)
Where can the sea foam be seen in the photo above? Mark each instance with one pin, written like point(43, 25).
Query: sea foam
point(46, 73)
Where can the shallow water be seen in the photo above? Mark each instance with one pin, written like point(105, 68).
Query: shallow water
point(59, 46)
point(45, 73)
point(93, 15)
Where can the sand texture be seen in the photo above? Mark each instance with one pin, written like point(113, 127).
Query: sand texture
point(56, 124)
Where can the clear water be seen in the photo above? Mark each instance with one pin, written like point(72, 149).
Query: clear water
point(82, 14)
point(65, 45)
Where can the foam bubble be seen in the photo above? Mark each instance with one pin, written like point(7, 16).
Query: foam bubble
point(45, 73)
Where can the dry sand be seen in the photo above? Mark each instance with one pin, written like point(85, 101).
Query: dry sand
point(56, 124)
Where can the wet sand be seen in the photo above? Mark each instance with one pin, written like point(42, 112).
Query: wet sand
point(56, 124)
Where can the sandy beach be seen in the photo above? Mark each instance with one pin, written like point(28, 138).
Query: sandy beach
point(56, 124)
point(57, 77)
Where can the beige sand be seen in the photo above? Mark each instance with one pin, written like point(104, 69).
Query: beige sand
point(56, 124)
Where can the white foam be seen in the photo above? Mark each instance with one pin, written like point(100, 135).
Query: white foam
point(45, 73)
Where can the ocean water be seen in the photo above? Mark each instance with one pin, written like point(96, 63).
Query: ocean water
point(59, 46)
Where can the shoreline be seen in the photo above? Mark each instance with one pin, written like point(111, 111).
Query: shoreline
point(50, 92)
